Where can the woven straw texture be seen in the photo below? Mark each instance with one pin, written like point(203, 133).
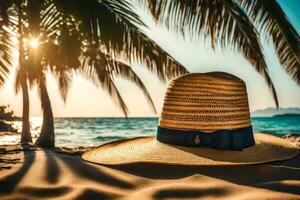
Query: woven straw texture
point(202, 102)
point(206, 102)
point(148, 150)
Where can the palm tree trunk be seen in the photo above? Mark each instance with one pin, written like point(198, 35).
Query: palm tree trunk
point(47, 136)
point(25, 135)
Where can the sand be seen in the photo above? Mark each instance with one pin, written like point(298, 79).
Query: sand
point(32, 173)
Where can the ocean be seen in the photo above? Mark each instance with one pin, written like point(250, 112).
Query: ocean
point(74, 132)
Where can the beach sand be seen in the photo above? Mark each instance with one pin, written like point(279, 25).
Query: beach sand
point(31, 173)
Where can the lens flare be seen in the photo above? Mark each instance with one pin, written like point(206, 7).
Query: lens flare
point(34, 43)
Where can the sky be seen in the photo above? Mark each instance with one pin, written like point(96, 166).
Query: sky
point(86, 100)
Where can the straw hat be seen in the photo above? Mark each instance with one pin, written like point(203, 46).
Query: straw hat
point(205, 120)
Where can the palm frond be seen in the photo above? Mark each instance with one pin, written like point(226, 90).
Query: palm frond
point(33, 11)
point(271, 18)
point(109, 85)
point(120, 69)
point(60, 70)
point(64, 80)
point(7, 25)
point(113, 25)
point(224, 21)
point(102, 78)
point(95, 61)
point(51, 19)
point(62, 37)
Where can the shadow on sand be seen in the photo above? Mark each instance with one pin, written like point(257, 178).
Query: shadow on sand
point(268, 176)
point(9, 182)
point(52, 173)
point(88, 171)
point(189, 193)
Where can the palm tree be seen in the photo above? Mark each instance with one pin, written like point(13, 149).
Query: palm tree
point(8, 26)
point(89, 44)
point(236, 23)
point(98, 33)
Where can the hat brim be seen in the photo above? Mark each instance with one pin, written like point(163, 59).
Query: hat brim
point(267, 148)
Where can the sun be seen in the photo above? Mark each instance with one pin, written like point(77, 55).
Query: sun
point(34, 43)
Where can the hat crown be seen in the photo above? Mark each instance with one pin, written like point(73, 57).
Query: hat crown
point(206, 102)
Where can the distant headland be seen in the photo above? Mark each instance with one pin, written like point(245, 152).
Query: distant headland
point(287, 115)
point(273, 112)
point(6, 116)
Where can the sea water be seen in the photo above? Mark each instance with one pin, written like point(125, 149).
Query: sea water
point(74, 132)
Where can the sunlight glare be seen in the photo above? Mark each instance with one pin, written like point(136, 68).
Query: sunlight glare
point(36, 122)
point(34, 43)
